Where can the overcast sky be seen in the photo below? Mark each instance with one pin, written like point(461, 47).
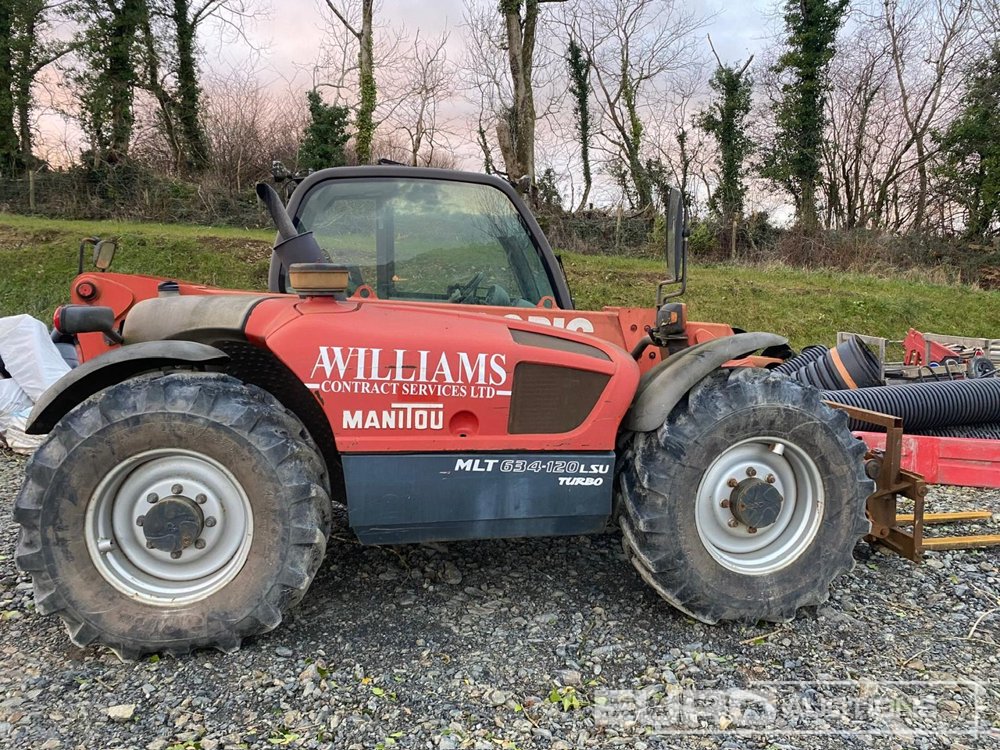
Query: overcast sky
point(285, 36)
point(290, 32)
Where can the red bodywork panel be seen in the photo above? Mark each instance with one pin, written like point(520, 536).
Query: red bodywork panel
point(450, 386)
point(120, 291)
point(963, 462)
point(415, 377)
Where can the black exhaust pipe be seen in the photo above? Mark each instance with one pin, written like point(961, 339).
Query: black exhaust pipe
point(292, 247)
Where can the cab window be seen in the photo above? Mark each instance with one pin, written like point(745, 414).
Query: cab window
point(427, 240)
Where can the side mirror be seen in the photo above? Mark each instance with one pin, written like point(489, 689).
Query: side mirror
point(675, 250)
point(104, 253)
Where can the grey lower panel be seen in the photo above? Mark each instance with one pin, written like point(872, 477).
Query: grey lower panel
point(395, 499)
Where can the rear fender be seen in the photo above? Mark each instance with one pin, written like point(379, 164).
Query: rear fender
point(664, 386)
point(115, 367)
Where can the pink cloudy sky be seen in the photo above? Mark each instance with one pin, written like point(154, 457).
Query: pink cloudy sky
point(289, 34)
point(291, 30)
point(285, 35)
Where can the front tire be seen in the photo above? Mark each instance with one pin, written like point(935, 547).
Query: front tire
point(173, 512)
point(749, 500)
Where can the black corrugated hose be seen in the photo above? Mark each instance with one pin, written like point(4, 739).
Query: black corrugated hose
point(927, 406)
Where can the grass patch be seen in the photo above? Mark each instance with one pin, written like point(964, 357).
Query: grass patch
point(807, 306)
point(38, 259)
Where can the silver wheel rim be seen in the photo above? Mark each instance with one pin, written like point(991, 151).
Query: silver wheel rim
point(790, 470)
point(118, 547)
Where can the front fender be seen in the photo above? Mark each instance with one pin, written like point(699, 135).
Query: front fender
point(662, 387)
point(112, 368)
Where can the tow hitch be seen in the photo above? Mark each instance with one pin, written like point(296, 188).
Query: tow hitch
point(891, 481)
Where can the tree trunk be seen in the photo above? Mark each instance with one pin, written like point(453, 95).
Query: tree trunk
point(121, 79)
point(808, 215)
point(505, 139)
point(920, 204)
point(520, 54)
point(162, 96)
point(188, 103)
point(366, 65)
point(9, 149)
point(587, 184)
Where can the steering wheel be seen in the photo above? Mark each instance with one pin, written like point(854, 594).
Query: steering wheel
point(465, 292)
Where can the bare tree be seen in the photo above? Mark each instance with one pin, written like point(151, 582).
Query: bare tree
point(927, 44)
point(248, 127)
point(507, 67)
point(867, 153)
point(427, 85)
point(680, 153)
point(636, 47)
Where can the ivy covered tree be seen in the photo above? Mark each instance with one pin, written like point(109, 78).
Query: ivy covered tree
point(169, 32)
point(365, 122)
point(579, 88)
point(325, 136)
point(110, 49)
point(969, 168)
point(26, 48)
point(793, 161)
point(9, 147)
point(548, 192)
point(725, 121)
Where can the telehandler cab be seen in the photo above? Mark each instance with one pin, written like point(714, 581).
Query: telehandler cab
point(418, 358)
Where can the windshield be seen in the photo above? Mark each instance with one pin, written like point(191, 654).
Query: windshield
point(429, 240)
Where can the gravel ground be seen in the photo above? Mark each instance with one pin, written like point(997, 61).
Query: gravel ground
point(530, 644)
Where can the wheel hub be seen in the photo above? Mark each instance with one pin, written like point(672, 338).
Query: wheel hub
point(764, 522)
point(169, 526)
point(173, 524)
point(755, 503)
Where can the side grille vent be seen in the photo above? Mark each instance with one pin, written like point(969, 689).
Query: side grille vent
point(552, 400)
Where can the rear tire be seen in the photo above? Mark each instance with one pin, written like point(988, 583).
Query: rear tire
point(216, 453)
point(738, 431)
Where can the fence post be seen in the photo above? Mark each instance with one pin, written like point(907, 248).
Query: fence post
point(31, 190)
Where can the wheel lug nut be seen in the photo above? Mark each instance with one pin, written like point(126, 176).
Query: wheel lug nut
point(751, 529)
point(201, 498)
point(175, 554)
point(199, 544)
point(733, 483)
point(177, 489)
point(733, 523)
point(751, 472)
point(771, 479)
point(152, 497)
point(725, 502)
point(140, 520)
point(210, 521)
point(149, 545)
